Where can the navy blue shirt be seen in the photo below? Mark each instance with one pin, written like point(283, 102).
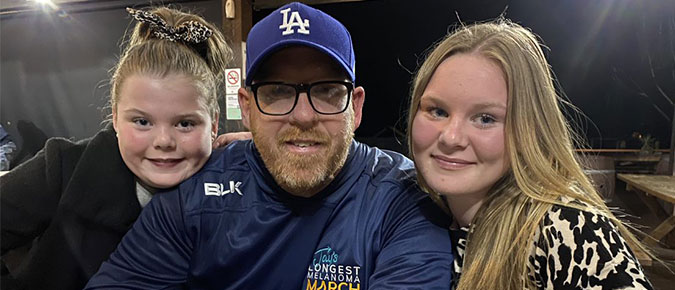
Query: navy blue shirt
point(230, 226)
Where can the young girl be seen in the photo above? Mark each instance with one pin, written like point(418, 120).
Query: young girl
point(75, 200)
point(491, 145)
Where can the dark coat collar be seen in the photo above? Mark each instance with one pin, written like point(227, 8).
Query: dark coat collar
point(102, 189)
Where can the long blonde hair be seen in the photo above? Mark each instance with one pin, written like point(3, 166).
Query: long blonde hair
point(146, 53)
point(543, 167)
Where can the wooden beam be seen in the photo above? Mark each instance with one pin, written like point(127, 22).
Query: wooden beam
point(236, 31)
point(265, 4)
point(659, 232)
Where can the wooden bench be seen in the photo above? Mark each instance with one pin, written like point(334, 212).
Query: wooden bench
point(654, 186)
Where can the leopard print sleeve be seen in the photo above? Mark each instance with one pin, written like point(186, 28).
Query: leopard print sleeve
point(576, 249)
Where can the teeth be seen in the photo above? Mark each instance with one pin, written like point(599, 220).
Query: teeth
point(303, 144)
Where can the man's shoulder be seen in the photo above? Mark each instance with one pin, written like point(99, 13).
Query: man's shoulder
point(231, 157)
point(394, 193)
point(391, 179)
point(384, 166)
point(225, 174)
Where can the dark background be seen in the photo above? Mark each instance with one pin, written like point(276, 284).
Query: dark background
point(614, 59)
point(599, 50)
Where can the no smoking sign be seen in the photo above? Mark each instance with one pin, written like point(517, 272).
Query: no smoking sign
point(233, 81)
point(232, 85)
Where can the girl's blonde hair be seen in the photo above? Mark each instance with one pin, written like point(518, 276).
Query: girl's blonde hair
point(539, 144)
point(148, 54)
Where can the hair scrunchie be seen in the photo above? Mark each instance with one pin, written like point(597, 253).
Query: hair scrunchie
point(190, 31)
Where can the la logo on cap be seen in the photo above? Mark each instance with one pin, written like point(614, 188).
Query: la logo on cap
point(296, 20)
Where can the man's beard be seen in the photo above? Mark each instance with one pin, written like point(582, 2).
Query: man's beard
point(303, 174)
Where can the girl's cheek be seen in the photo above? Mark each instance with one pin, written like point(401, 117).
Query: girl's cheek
point(423, 133)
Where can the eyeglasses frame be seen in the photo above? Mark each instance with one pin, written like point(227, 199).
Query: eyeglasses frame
point(300, 88)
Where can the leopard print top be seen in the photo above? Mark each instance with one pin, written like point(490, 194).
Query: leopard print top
point(578, 250)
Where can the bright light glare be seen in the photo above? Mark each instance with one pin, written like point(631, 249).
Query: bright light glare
point(48, 3)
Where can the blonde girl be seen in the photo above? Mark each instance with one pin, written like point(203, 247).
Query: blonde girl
point(491, 144)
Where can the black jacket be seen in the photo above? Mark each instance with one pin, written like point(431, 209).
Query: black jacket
point(73, 202)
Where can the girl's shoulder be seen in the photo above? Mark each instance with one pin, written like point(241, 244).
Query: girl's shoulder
point(578, 219)
point(578, 246)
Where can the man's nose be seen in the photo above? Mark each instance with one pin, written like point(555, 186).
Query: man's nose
point(303, 115)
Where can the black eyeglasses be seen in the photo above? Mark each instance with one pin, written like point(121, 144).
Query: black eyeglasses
point(326, 97)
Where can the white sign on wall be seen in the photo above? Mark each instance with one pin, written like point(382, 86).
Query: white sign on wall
point(232, 85)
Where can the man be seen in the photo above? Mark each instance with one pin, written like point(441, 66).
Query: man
point(302, 206)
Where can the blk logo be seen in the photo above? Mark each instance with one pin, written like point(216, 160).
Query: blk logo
point(294, 21)
point(217, 189)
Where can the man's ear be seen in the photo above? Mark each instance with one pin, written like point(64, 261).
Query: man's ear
point(214, 125)
point(245, 101)
point(358, 97)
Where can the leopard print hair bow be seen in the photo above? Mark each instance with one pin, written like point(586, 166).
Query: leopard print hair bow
point(191, 31)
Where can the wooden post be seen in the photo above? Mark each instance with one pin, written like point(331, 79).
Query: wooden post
point(236, 30)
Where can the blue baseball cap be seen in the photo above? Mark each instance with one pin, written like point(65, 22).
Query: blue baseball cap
point(298, 24)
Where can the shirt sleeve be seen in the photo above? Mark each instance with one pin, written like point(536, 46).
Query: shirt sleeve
point(416, 252)
point(579, 249)
point(154, 254)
